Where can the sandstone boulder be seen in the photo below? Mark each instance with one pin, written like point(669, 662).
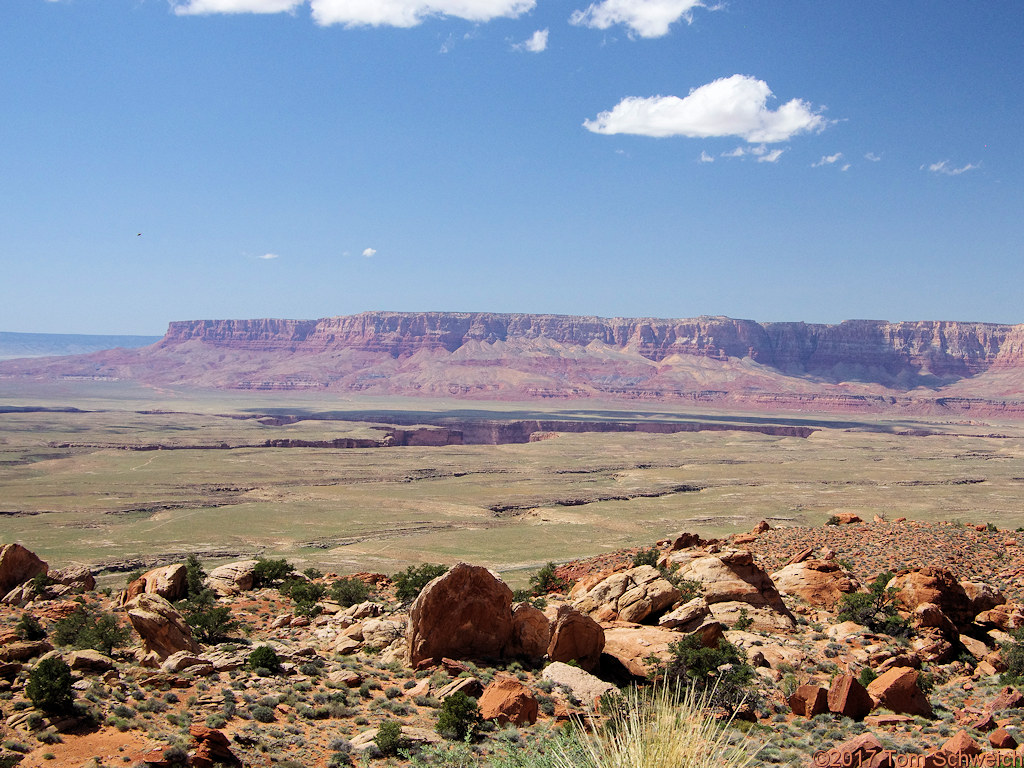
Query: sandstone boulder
point(470, 686)
point(1006, 617)
point(860, 750)
point(1001, 738)
point(575, 637)
point(821, 583)
point(983, 597)
point(632, 595)
point(897, 689)
point(465, 613)
point(686, 617)
point(506, 700)
point(961, 743)
point(734, 583)
point(531, 633)
point(88, 660)
point(162, 629)
point(580, 683)
point(167, 581)
point(633, 645)
point(849, 698)
point(78, 577)
point(809, 700)
point(211, 748)
point(232, 578)
point(18, 565)
point(936, 585)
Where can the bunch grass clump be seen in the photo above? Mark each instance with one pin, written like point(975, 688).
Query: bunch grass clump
point(663, 727)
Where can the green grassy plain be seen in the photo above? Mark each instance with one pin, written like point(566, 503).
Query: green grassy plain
point(381, 509)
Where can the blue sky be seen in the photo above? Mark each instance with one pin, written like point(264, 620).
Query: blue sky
point(790, 160)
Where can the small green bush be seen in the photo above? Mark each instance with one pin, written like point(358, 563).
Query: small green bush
point(646, 557)
point(195, 578)
point(87, 629)
point(721, 673)
point(209, 621)
point(1013, 657)
point(270, 573)
point(389, 737)
point(29, 628)
point(49, 686)
point(876, 609)
point(546, 581)
point(349, 591)
point(459, 717)
point(264, 657)
point(410, 582)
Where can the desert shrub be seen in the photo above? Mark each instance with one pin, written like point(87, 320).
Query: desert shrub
point(29, 628)
point(389, 737)
point(349, 591)
point(688, 588)
point(195, 577)
point(744, 621)
point(270, 573)
point(209, 621)
point(410, 582)
point(49, 686)
point(305, 595)
point(876, 609)
point(546, 581)
point(1013, 657)
point(720, 675)
point(455, 755)
point(312, 573)
point(459, 717)
point(834, 520)
point(866, 676)
point(98, 630)
point(261, 713)
point(264, 657)
point(646, 557)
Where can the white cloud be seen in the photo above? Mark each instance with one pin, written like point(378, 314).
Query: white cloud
point(198, 7)
point(760, 152)
point(356, 13)
point(705, 157)
point(872, 157)
point(771, 157)
point(827, 160)
point(409, 13)
point(730, 106)
point(944, 167)
point(270, 256)
point(369, 252)
point(647, 18)
point(538, 42)
point(846, 167)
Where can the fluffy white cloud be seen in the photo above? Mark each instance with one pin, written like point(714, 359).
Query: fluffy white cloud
point(828, 160)
point(409, 13)
point(538, 42)
point(730, 106)
point(770, 157)
point(647, 18)
point(944, 167)
point(369, 252)
point(198, 7)
point(269, 256)
point(705, 157)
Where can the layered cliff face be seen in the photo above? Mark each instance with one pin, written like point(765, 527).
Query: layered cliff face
point(858, 365)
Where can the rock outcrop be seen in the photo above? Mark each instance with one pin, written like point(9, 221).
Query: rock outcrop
point(632, 595)
point(167, 581)
point(162, 629)
point(18, 565)
point(821, 583)
point(232, 578)
point(506, 700)
point(575, 637)
point(734, 585)
point(465, 613)
point(937, 586)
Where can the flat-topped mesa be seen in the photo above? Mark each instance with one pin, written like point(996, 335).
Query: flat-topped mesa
point(939, 348)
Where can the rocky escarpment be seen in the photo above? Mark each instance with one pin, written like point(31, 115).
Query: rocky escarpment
point(872, 347)
point(855, 366)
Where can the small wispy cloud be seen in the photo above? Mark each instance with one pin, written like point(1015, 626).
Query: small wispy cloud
point(946, 169)
point(828, 160)
point(705, 157)
point(646, 18)
point(537, 42)
point(872, 157)
point(760, 153)
point(770, 157)
point(729, 106)
point(270, 256)
point(369, 253)
point(365, 13)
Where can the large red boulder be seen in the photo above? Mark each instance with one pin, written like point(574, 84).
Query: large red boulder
point(465, 613)
point(849, 698)
point(575, 637)
point(897, 689)
point(162, 629)
point(168, 581)
point(531, 632)
point(937, 585)
point(809, 700)
point(820, 583)
point(18, 565)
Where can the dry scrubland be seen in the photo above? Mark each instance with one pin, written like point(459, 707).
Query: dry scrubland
point(511, 507)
